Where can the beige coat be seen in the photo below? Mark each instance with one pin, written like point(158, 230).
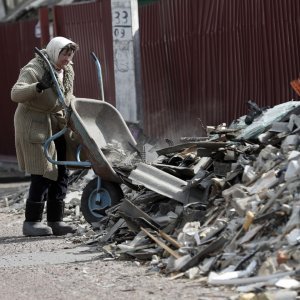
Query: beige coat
point(37, 117)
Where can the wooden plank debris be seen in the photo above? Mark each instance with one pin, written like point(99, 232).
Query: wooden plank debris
point(161, 244)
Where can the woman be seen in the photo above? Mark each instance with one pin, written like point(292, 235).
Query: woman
point(38, 116)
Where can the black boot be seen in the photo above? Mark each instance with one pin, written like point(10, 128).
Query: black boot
point(33, 225)
point(55, 214)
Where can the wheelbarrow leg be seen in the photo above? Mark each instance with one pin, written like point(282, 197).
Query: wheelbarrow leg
point(98, 194)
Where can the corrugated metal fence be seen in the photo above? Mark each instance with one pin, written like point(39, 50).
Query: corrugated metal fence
point(85, 24)
point(89, 24)
point(17, 42)
point(201, 60)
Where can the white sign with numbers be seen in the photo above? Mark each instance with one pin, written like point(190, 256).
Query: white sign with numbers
point(121, 21)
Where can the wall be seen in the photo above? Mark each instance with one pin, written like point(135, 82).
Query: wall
point(17, 43)
point(201, 60)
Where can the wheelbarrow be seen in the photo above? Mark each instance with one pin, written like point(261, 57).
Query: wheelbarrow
point(99, 126)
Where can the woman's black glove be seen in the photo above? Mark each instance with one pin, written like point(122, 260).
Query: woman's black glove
point(45, 83)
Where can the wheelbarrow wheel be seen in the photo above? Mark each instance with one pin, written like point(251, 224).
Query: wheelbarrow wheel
point(92, 209)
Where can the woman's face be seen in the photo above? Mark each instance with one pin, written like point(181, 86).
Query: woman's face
point(64, 58)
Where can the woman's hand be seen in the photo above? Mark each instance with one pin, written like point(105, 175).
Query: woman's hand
point(45, 83)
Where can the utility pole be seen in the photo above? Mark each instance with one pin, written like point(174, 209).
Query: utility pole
point(127, 61)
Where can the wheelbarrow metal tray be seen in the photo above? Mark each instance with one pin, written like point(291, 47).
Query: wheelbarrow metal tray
point(99, 124)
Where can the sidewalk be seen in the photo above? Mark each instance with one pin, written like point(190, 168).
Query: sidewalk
point(9, 170)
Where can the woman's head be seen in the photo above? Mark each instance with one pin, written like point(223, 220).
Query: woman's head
point(61, 51)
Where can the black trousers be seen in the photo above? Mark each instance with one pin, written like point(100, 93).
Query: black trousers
point(43, 189)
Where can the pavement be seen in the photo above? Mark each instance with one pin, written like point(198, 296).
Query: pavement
point(9, 170)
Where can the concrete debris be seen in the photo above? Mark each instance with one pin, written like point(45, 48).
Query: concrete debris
point(223, 208)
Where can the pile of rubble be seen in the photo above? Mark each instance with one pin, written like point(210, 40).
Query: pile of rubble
point(223, 208)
